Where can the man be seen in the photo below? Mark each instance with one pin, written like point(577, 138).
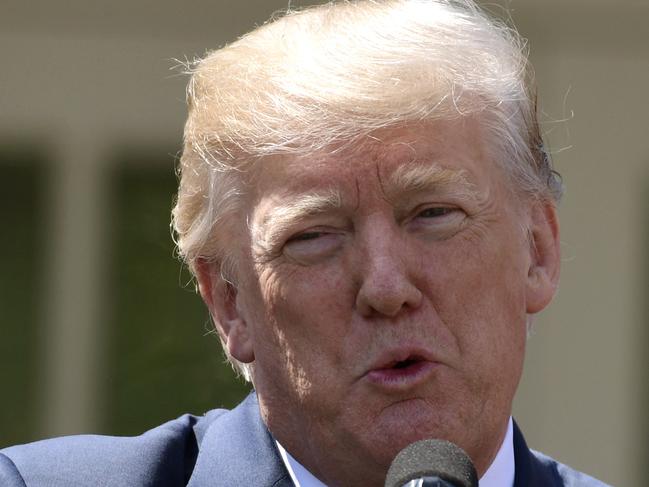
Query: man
point(370, 214)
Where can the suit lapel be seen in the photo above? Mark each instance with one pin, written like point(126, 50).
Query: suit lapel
point(530, 472)
point(237, 449)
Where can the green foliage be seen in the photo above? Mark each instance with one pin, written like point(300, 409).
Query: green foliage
point(21, 237)
point(163, 359)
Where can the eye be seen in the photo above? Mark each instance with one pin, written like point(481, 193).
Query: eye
point(436, 212)
point(312, 246)
point(437, 222)
point(306, 236)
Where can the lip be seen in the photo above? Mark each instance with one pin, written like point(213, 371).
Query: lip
point(402, 369)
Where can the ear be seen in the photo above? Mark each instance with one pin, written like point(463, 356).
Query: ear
point(545, 256)
point(220, 296)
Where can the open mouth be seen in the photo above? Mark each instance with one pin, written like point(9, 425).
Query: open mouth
point(402, 372)
point(404, 364)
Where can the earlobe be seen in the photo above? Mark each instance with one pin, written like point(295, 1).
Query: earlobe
point(220, 296)
point(545, 256)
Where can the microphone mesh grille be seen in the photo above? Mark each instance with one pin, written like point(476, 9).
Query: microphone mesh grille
point(432, 458)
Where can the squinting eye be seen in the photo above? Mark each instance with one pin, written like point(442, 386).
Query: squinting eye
point(437, 222)
point(436, 211)
point(312, 247)
point(306, 236)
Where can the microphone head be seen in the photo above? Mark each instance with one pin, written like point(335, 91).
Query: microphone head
point(432, 458)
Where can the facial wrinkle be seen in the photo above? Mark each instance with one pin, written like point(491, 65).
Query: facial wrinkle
point(281, 217)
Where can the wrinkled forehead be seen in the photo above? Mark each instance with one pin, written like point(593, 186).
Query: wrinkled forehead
point(400, 158)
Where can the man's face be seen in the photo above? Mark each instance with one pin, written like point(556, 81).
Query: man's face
point(383, 294)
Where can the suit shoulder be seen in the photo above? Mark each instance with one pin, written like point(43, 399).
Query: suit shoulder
point(9, 475)
point(162, 456)
point(569, 476)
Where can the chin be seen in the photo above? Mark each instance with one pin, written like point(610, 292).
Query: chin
point(404, 423)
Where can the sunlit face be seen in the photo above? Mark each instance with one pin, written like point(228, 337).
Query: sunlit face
point(383, 294)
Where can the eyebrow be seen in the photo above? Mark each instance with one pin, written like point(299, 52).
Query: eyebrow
point(415, 178)
point(278, 219)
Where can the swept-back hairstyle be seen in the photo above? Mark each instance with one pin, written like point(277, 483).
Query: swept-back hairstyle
point(320, 78)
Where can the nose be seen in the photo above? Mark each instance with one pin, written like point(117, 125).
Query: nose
point(387, 271)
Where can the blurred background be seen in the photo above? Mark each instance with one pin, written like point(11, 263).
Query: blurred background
point(100, 328)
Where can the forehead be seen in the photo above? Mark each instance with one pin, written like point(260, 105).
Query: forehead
point(397, 158)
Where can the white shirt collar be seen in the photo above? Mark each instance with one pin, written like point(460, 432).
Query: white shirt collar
point(499, 474)
point(300, 476)
point(501, 471)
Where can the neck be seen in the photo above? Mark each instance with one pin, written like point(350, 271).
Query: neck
point(337, 462)
point(341, 460)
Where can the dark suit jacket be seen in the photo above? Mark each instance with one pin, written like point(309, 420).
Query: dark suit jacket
point(222, 448)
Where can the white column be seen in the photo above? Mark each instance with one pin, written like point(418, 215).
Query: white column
point(72, 344)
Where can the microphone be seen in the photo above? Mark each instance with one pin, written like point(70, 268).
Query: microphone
point(432, 463)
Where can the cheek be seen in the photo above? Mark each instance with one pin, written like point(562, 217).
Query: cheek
point(478, 289)
point(307, 312)
point(313, 299)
